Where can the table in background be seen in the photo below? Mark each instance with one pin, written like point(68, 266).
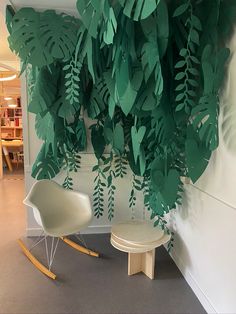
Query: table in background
point(11, 146)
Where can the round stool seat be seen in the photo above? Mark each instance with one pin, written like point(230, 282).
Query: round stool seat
point(137, 232)
point(136, 248)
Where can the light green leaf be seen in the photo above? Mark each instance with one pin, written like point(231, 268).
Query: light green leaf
point(139, 9)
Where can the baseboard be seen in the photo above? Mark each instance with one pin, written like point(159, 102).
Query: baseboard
point(35, 232)
point(204, 300)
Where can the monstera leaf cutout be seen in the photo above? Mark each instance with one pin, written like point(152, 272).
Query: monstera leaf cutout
point(197, 158)
point(205, 114)
point(25, 38)
point(58, 34)
point(45, 90)
point(39, 38)
point(139, 9)
point(166, 185)
point(205, 120)
point(44, 126)
point(45, 165)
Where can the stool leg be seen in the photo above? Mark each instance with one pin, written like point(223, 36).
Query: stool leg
point(134, 263)
point(148, 263)
point(142, 262)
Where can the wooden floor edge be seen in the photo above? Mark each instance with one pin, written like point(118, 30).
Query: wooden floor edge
point(35, 262)
point(79, 247)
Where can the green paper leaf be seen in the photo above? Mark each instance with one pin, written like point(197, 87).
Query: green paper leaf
point(179, 76)
point(98, 140)
point(197, 158)
point(194, 36)
point(151, 63)
point(139, 9)
point(196, 22)
point(98, 100)
point(180, 64)
point(81, 136)
point(162, 20)
point(171, 187)
point(137, 137)
point(10, 12)
point(44, 126)
point(128, 99)
point(90, 13)
point(110, 27)
point(181, 9)
point(118, 139)
point(146, 99)
point(45, 165)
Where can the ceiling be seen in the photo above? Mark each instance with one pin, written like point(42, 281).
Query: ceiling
point(67, 6)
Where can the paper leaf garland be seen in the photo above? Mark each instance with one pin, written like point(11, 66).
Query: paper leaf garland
point(147, 72)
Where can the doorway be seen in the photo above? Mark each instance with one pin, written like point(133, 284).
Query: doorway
point(11, 131)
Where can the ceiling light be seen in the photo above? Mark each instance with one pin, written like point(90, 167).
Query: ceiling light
point(8, 68)
point(7, 98)
point(8, 78)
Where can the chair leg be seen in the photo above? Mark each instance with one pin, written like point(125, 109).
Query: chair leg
point(78, 247)
point(35, 262)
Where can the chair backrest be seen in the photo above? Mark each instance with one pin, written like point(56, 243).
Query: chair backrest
point(48, 197)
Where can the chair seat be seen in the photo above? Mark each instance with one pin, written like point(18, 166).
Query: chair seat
point(59, 227)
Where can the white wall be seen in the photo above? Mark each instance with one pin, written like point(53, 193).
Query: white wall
point(205, 246)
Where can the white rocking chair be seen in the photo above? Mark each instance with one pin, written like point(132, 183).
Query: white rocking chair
point(60, 213)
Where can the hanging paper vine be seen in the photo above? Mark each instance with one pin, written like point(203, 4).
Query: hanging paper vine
point(147, 72)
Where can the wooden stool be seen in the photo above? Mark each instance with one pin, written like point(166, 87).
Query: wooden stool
point(139, 239)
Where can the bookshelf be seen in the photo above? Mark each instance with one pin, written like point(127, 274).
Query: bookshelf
point(11, 123)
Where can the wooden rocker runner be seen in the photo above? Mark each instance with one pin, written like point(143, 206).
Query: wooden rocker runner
point(60, 213)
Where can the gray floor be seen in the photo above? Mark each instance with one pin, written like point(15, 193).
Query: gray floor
point(85, 284)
